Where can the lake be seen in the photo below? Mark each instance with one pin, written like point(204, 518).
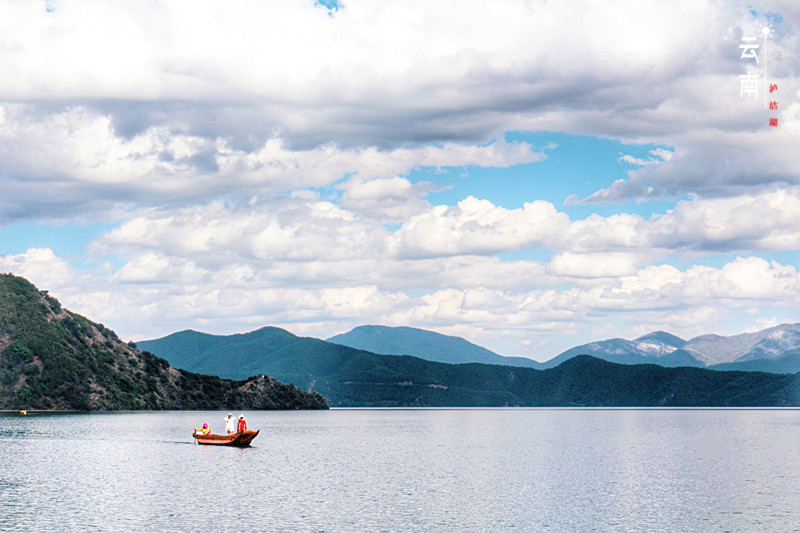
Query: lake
point(399, 470)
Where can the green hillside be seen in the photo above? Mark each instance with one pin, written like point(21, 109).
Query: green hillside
point(51, 358)
point(786, 363)
point(425, 345)
point(350, 377)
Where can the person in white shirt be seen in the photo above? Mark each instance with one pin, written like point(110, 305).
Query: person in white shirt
point(230, 424)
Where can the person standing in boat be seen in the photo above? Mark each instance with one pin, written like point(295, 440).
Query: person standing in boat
point(230, 424)
point(242, 424)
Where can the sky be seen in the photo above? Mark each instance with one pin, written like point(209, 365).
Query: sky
point(526, 174)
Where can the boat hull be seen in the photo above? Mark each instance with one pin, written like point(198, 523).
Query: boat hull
point(241, 439)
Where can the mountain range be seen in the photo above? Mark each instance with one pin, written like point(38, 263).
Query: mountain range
point(348, 376)
point(52, 358)
point(776, 349)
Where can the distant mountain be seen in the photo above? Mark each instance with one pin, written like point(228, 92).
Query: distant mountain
point(425, 345)
point(658, 347)
point(52, 358)
point(766, 344)
point(786, 363)
point(770, 350)
point(659, 343)
point(350, 377)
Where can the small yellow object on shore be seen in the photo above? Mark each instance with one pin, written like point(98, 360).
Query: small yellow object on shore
point(23, 412)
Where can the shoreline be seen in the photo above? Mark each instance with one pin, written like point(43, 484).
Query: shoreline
point(39, 411)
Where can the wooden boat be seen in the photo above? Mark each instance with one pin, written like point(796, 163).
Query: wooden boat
point(241, 438)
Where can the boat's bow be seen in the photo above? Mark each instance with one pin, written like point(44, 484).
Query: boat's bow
point(243, 438)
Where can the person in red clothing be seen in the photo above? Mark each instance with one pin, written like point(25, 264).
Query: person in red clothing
point(242, 426)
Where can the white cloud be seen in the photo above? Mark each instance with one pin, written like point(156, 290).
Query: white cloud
point(749, 278)
point(219, 233)
point(313, 256)
point(308, 242)
point(114, 105)
point(158, 268)
point(664, 155)
point(192, 50)
point(42, 267)
point(766, 221)
point(72, 161)
point(615, 232)
point(391, 200)
point(659, 155)
point(151, 113)
point(404, 74)
point(632, 160)
point(476, 227)
point(600, 265)
point(614, 244)
point(356, 302)
point(737, 284)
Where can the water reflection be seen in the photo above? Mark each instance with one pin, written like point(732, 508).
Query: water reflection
point(405, 470)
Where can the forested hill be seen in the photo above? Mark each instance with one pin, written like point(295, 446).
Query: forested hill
point(51, 358)
point(349, 378)
point(424, 344)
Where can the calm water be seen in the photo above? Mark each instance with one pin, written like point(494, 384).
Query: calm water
point(406, 470)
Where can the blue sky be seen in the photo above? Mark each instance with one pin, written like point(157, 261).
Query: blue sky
point(575, 165)
point(528, 176)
